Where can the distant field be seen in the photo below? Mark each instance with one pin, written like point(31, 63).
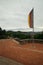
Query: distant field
point(27, 54)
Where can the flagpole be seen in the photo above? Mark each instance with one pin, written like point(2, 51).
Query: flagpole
point(33, 36)
point(33, 29)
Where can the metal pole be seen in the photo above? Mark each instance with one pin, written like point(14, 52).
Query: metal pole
point(33, 30)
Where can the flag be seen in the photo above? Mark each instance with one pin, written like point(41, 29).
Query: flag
point(30, 19)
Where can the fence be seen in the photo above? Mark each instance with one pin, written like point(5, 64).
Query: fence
point(29, 40)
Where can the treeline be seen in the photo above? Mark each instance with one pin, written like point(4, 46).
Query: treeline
point(21, 35)
point(3, 34)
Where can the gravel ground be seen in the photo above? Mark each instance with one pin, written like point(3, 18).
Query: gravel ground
point(6, 61)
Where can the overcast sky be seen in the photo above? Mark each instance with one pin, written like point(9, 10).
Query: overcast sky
point(14, 14)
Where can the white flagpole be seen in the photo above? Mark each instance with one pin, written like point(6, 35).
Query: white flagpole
point(33, 30)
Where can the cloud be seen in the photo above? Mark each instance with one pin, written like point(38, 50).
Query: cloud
point(14, 13)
